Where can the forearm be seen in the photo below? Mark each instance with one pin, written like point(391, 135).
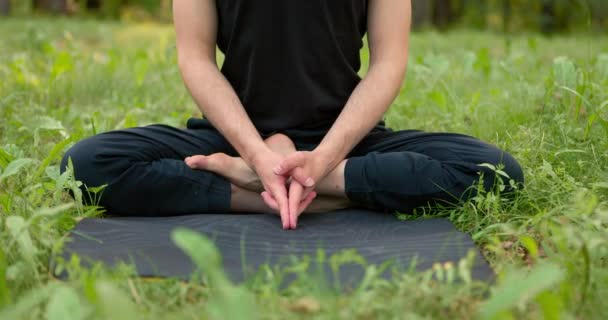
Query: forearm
point(388, 28)
point(221, 106)
point(364, 109)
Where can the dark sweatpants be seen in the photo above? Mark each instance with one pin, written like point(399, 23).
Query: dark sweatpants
point(145, 174)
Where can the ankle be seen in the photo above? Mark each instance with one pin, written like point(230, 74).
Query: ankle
point(334, 185)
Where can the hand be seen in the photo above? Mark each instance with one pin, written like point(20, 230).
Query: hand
point(297, 203)
point(305, 168)
point(275, 194)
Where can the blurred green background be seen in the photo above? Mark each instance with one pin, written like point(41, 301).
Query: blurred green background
point(548, 16)
point(70, 69)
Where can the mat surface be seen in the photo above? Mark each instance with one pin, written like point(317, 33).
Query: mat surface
point(259, 239)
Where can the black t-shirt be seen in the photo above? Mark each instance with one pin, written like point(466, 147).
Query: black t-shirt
point(293, 63)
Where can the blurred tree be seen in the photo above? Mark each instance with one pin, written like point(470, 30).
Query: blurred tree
point(92, 4)
point(440, 13)
point(599, 13)
point(475, 12)
point(443, 14)
point(5, 7)
point(166, 10)
point(115, 8)
point(506, 15)
point(547, 18)
point(111, 8)
point(53, 6)
point(421, 13)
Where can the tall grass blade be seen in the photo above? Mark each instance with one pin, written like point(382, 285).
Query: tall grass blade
point(28, 301)
point(5, 293)
point(53, 154)
point(65, 304)
point(226, 301)
point(114, 303)
point(517, 287)
point(564, 72)
point(14, 167)
point(17, 227)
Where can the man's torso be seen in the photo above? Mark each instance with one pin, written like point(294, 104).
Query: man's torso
point(293, 63)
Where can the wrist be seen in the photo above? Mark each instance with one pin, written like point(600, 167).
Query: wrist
point(328, 156)
point(258, 156)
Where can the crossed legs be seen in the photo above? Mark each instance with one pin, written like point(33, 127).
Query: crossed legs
point(144, 171)
point(388, 171)
point(246, 186)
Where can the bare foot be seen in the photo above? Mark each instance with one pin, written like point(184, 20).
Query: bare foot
point(235, 169)
point(232, 168)
point(243, 200)
point(323, 204)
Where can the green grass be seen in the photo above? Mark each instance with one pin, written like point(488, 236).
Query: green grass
point(545, 100)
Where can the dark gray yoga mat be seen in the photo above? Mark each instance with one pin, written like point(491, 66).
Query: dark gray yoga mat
point(378, 237)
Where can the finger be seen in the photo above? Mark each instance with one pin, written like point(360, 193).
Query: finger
point(196, 162)
point(306, 202)
point(289, 163)
point(303, 205)
point(279, 193)
point(270, 201)
point(295, 197)
point(300, 176)
point(307, 192)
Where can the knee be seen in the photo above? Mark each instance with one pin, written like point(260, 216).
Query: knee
point(83, 159)
point(506, 163)
point(513, 169)
point(75, 152)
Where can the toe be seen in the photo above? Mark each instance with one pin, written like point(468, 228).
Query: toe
point(197, 162)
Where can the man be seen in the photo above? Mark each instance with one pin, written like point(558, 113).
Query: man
point(290, 77)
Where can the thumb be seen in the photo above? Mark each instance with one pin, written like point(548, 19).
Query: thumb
point(300, 176)
point(289, 163)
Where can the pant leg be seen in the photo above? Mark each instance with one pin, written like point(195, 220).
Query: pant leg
point(144, 172)
point(401, 171)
